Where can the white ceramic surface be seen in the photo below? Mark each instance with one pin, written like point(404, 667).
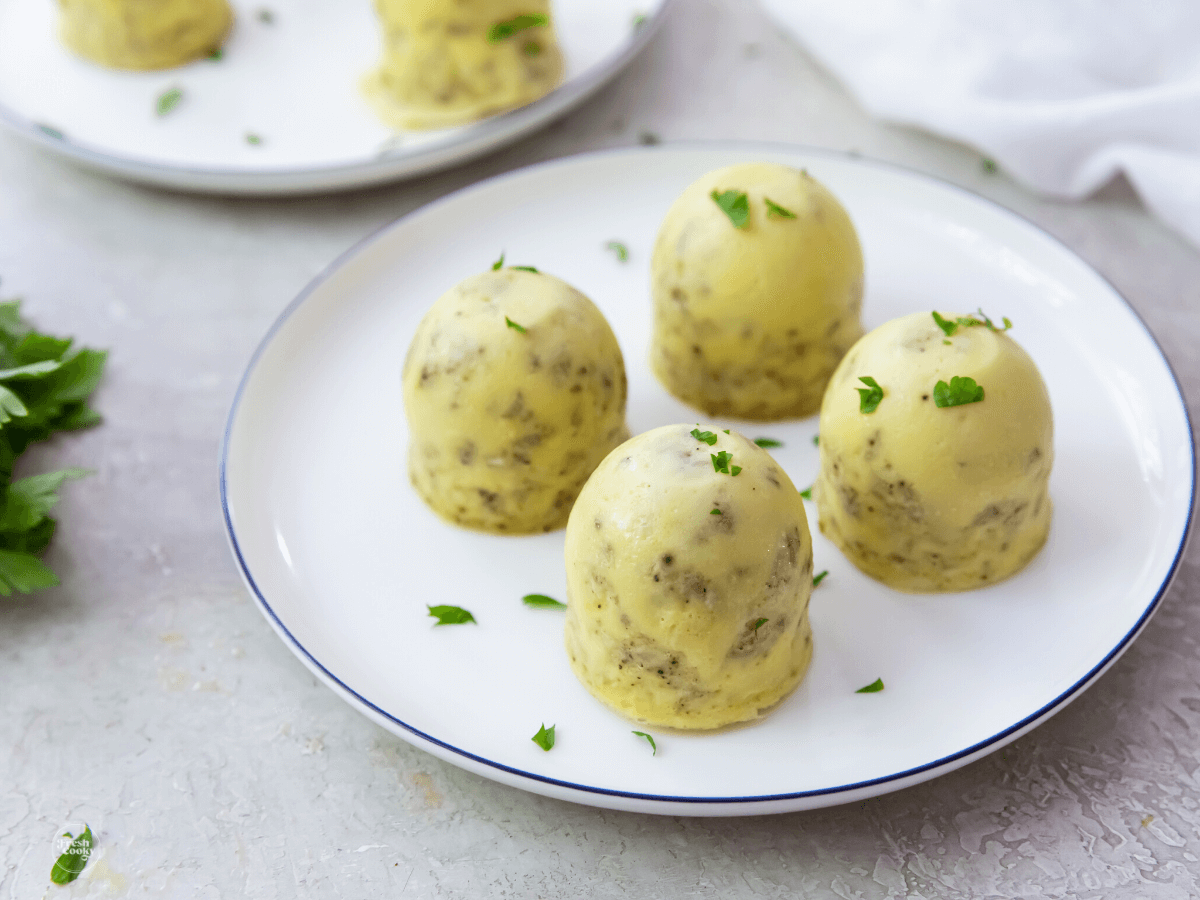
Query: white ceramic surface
point(294, 83)
point(343, 557)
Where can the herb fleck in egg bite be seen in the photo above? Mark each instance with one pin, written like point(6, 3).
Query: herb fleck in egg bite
point(936, 449)
point(514, 389)
point(689, 569)
point(757, 282)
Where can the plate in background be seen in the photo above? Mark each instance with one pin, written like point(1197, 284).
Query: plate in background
point(343, 557)
point(293, 83)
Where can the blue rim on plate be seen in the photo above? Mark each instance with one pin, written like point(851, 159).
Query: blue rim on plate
point(898, 779)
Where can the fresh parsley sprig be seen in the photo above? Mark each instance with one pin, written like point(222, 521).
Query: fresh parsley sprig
point(45, 383)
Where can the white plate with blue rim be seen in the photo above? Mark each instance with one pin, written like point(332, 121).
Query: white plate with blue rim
point(281, 111)
point(343, 558)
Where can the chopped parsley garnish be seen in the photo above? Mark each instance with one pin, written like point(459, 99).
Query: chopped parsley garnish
point(74, 859)
point(618, 248)
point(653, 746)
point(217, 54)
point(989, 165)
point(532, 48)
point(958, 392)
point(266, 16)
point(253, 139)
point(734, 204)
point(873, 688)
point(949, 327)
point(525, 269)
point(768, 443)
point(509, 27)
point(807, 493)
point(721, 463)
point(545, 737)
point(498, 264)
point(450, 615)
point(819, 577)
point(541, 601)
point(168, 100)
point(639, 19)
point(715, 512)
point(774, 209)
point(816, 440)
point(760, 623)
point(869, 397)
point(707, 437)
point(513, 325)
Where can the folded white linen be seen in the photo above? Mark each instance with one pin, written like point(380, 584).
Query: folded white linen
point(1061, 93)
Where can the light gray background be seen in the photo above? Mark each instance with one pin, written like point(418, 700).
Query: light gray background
point(150, 698)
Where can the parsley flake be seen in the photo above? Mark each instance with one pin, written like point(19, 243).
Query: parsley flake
point(945, 324)
point(541, 601)
point(873, 688)
point(706, 437)
point(869, 397)
point(819, 577)
point(653, 746)
point(545, 737)
point(498, 264)
point(774, 209)
point(734, 204)
point(513, 325)
point(768, 443)
point(958, 392)
point(532, 48)
point(988, 165)
point(816, 440)
point(217, 54)
point(716, 512)
point(509, 27)
point(807, 493)
point(618, 248)
point(450, 615)
point(168, 100)
point(526, 269)
point(74, 859)
point(721, 463)
point(253, 139)
point(760, 623)
point(639, 19)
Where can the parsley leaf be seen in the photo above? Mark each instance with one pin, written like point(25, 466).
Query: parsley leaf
point(988, 165)
point(509, 27)
point(498, 264)
point(653, 746)
point(450, 615)
point(74, 859)
point(774, 209)
point(541, 601)
point(945, 324)
point(721, 463)
point(958, 392)
point(873, 688)
point(618, 248)
point(168, 100)
point(707, 437)
point(525, 269)
point(253, 139)
point(807, 493)
point(734, 204)
point(869, 397)
point(545, 737)
point(715, 512)
point(760, 623)
point(217, 54)
point(816, 440)
point(511, 324)
point(819, 577)
point(768, 443)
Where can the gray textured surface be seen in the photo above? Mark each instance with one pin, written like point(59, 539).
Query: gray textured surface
point(148, 696)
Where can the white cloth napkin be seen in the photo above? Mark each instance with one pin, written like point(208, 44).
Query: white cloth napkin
point(1061, 93)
